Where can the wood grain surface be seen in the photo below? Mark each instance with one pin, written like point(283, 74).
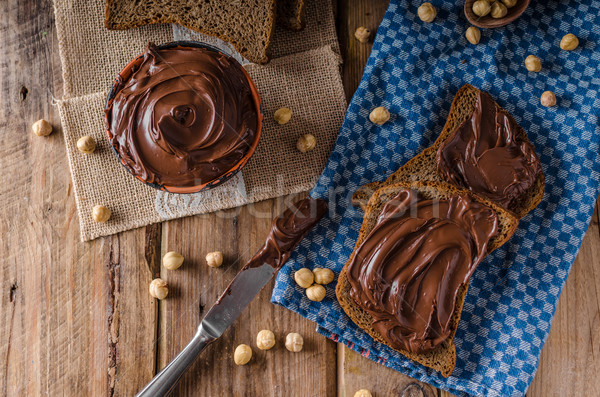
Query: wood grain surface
point(78, 319)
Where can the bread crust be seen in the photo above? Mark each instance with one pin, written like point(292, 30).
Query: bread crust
point(442, 358)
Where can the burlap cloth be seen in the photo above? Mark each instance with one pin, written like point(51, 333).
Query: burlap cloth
point(304, 76)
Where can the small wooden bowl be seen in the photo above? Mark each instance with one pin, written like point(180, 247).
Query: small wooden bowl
point(487, 22)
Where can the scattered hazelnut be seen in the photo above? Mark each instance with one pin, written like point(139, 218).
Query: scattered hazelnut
point(473, 35)
point(100, 213)
point(363, 393)
point(499, 10)
point(172, 260)
point(283, 115)
point(242, 354)
point(362, 34)
point(481, 8)
point(569, 42)
point(533, 63)
point(265, 339)
point(379, 115)
point(304, 277)
point(86, 144)
point(294, 342)
point(306, 143)
point(323, 276)
point(41, 128)
point(214, 259)
point(427, 12)
point(316, 292)
point(159, 288)
point(548, 99)
point(509, 3)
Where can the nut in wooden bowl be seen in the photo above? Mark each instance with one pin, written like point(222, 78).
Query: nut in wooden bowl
point(488, 21)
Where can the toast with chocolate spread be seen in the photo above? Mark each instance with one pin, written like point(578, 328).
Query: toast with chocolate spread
point(446, 161)
point(291, 14)
point(415, 238)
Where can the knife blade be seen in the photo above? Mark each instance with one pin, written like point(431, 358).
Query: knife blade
point(287, 231)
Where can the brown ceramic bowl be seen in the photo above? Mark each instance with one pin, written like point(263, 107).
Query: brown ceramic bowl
point(487, 22)
point(126, 73)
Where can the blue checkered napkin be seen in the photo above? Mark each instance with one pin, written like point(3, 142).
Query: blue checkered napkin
point(414, 70)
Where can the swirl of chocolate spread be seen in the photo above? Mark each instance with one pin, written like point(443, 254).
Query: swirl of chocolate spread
point(408, 271)
point(184, 117)
point(485, 154)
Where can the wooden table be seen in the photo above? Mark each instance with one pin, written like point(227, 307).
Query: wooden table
point(77, 318)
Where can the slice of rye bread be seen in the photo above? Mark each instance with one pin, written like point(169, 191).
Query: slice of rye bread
point(248, 25)
point(423, 167)
point(291, 14)
point(443, 357)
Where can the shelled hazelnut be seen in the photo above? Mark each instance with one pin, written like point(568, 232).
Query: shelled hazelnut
point(242, 354)
point(362, 34)
point(86, 144)
point(214, 259)
point(509, 3)
point(41, 128)
point(473, 35)
point(569, 42)
point(533, 63)
point(294, 342)
point(427, 12)
point(282, 115)
point(548, 99)
point(159, 288)
point(481, 8)
point(172, 260)
point(304, 277)
point(306, 143)
point(100, 213)
point(379, 115)
point(323, 276)
point(265, 339)
point(498, 10)
point(316, 292)
point(363, 393)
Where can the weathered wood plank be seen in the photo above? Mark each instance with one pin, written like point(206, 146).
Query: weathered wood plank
point(72, 311)
point(238, 233)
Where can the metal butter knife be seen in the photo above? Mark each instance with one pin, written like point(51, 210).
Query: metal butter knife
point(286, 232)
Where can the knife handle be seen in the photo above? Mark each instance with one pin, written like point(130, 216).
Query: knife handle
point(166, 380)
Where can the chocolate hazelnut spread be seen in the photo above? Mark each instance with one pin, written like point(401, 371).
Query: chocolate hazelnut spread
point(184, 117)
point(408, 271)
point(287, 230)
point(486, 156)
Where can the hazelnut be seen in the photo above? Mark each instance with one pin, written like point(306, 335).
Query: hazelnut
point(100, 213)
point(569, 42)
point(86, 144)
point(283, 115)
point(362, 34)
point(548, 99)
point(363, 393)
point(242, 354)
point(323, 276)
point(304, 277)
point(294, 342)
point(316, 292)
point(214, 259)
point(481, 8)
point(473, 35)
point(533, 63)
point(499, 10)
point(509, 3)
point(159, 288)
point(427, 12)
point(306, 143)
point(265, 339)
point(172, 260)
point(379, 115)
point(41, 128)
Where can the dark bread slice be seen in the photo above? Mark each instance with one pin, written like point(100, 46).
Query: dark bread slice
point(423, 167)
point(248, 25)
point(442, 358)
point(292, 14)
